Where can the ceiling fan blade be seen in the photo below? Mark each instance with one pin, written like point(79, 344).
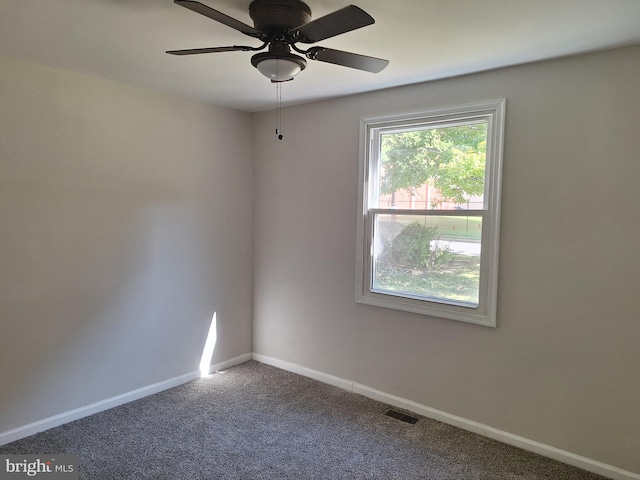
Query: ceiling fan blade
point(341, 21)
point(219, 17)
point(347, 59)
point(195, 51)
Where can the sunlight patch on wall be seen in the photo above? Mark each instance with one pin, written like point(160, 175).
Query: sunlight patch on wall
point(209, 347)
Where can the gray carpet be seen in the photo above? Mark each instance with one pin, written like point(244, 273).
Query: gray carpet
point(254, 421)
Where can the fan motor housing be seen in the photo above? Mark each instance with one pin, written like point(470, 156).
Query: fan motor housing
point(279, 16)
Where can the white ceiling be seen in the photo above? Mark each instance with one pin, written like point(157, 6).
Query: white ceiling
point(125, 40)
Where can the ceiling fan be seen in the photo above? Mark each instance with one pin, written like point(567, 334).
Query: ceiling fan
point(280, 25)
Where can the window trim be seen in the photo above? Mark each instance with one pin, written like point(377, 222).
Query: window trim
point(493, 111)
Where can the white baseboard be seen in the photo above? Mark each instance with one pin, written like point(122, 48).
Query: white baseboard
point(304, 371)
point(232, 362)
point(78, 413)
point(563, 456)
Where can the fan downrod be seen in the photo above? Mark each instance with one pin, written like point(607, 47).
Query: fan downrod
point(279, 16)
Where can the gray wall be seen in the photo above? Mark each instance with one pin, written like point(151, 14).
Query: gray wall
point(125, 224)
point(563, 365)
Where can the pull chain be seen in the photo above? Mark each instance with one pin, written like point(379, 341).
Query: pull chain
point(279, 111)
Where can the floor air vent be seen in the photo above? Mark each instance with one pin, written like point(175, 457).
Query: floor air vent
point(401, 416)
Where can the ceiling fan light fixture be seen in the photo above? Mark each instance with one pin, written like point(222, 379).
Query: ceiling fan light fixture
point(278, 68)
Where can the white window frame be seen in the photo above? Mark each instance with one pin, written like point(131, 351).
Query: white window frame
point(484, 313)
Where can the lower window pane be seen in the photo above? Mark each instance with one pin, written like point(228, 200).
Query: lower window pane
point(432, 257)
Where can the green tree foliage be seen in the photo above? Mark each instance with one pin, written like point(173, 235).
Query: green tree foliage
point(452, 159)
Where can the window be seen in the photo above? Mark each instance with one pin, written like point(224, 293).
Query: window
point(428, 226)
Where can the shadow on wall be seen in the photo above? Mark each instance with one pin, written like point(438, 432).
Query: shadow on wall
point(107, 292)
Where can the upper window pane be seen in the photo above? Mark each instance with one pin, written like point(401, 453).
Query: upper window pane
point(428, 168)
